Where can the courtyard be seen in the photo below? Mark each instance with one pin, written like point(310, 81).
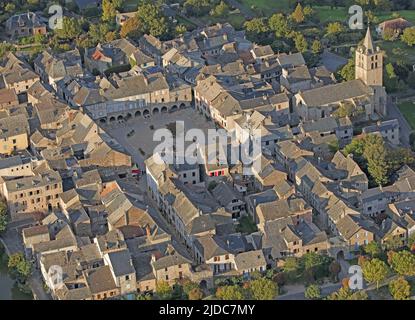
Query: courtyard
point(136, 134)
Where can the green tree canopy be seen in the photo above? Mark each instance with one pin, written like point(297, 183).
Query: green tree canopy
point(400, 289)
point(234, 292)
point(263, 289)
point(313, 292)
point(152, 19)
point(298, 14)
point(334, 28)
point(344, 293)
point(163, 290)
point(71, 29)
point(280, 25)
point(403, 262)
point(374, 271)
point(19, 266)
point(408, 36)
point(3, 216)
point(131, 28)
point(347, 73)
point(316, 47)
point(108, 10)
point(300, 42)
point(373, 249)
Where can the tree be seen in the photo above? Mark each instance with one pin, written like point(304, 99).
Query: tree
point(189, 286)
point(411, 242)
point(196, 294)
point(19, 266)
point(308, 11)
point(300, 42)
point(263, 289)
point(3, 216)
point(163, 290)
point(280, 25)
point(152, 19)
point(373, 249)
point(10, 7)
point(375, 155)
point(398, 157)
point(97, 32)
point(400, 289)
point(71, 28)
point(196, 7)
point(375, 271)
point(291, 264)
point(144, 297)
point(388, 34)
point(280, 279)
point(347, 73)
point(344, 293)
point(335, 269)
point(234, 292)
point(408, 36)
point(108, 10)
point(220, 10)
point(298, 14)
point(256, 25)
point(313, 292)
point(403, 262)
point(334, 28)
point(131, 28)
point(316, 47)
point(180, 29)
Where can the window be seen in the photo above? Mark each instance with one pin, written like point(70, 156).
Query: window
point(167, 277)
point(165, 269)
point(127, 277)
point(227, 257)
point(180, 266)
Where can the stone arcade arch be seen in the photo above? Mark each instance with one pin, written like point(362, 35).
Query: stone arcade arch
point(156, 111)
point(137, 114)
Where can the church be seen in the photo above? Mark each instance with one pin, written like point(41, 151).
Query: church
point(366, 91)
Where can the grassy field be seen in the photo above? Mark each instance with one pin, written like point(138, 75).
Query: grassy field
point(268, 7)
point(326, 14)
point(408, 110)
point(405, 52)
point(237, 20)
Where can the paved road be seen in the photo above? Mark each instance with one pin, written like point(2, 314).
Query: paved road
point(13, 243)
point(297, 292)
point(405, 128)
point(325, 291)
